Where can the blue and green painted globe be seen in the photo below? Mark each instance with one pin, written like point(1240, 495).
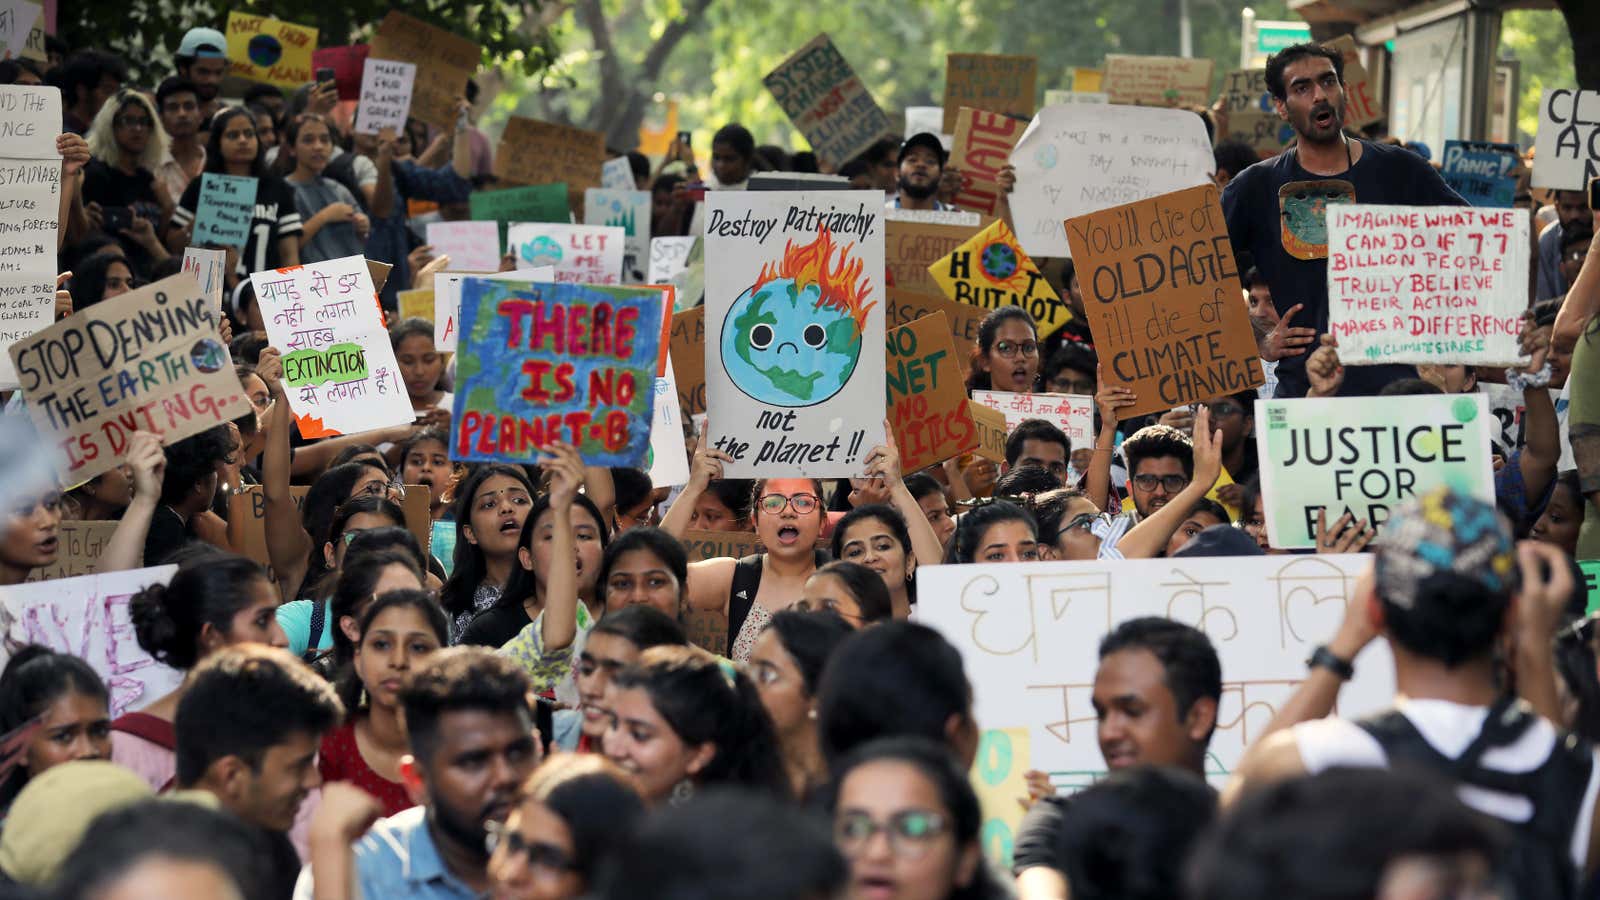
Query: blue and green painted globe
point(782, 347)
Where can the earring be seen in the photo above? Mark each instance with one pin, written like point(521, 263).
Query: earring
point(361, 702)
point(811, 714)
point(682, 793)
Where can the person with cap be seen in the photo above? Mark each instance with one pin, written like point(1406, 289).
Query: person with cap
point(53, 811)
point(1155, 698)
point(202, 59)
point(1448, 589)
point(921, 162)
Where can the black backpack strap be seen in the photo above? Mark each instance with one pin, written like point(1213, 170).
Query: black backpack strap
point(742, 593)
point(319, 621)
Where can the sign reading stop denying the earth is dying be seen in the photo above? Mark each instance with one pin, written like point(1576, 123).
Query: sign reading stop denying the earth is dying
point(1160, 278)
point(794, 331)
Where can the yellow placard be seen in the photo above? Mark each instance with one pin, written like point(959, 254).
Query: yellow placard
point(998, 778)
point(270, 50)
point(1086, 80)
point(416, 304)
point(1223, 480)
point(990, 270)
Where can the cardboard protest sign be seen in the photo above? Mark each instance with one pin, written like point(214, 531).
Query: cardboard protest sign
point(87, 617)
point(1088, 79)
point(1054, 98)
point(270, 50)
point(444, 63)
point(580, 254)
point(208, 267)
point(385, 95)
point(1250, 115)
point(1483, 173)
point(668, 257)
point(616, 174)
point(926, 398)
point(906, 307)
point(794, 323)
point(1071, 413)
point(992, 432)
point(960, 217)
point(81, 545)
point(1075, 160)
point(1028, 635)
point(1160, 278)
point(988, 81)
point(1363, 100)
point(704, 545)
point(990, 270)
point(542, 363)
point(27, 306)
point(473, 246)
point(223, 212)
point(688, 355)
point(668, 459)
point(535, 203)
point(1427, 284)
point(33, 201)
point(628, 210)
point(147, 360)
point(982, 148)
point(247, 519)
point(535, 152)
point(447, 300)
point(339, 370)
point(827, 102)
point(417, 304)
point(1349, 454)
point(911, 247)
point(18, 21)
point(348, 63)
point(1566, 150)
point(1157, 80)
point(30, 119)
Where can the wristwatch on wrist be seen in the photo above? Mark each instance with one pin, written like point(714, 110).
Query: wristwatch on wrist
point(1326, 659)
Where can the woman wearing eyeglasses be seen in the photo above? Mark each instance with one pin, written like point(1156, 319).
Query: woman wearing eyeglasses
point(788, 520)
point(572, 810)
point(906, 819)
point(127, 145)
point(1006, 359)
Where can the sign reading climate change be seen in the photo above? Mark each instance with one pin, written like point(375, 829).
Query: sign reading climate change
point(794, 331)
point(1353, 455)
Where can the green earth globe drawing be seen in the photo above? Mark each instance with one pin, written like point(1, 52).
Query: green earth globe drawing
point(998, 261)
point(264, 50)
point(781, 346)
point(542, 251)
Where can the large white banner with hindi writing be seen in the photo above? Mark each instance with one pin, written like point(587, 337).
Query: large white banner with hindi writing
point(339, 370)
point(1029, 635)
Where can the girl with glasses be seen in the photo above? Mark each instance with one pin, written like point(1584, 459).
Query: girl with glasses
point(127, 145)
point(906, 819)
point(571, 812)
point(1007, 355)
point(1066, 520)
point(787, 665)
point(788, 520)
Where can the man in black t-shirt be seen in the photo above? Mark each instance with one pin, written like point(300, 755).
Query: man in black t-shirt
point(1276, 209)
point(1155, 702)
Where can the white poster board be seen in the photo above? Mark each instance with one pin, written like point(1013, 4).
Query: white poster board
point(1567, 147)
point(30, 120)
point(669, 458)
point(626, 209)
point(668, 257)
point(385, 95)
point(27, 307)
point(1071, 413)
point(1079, 158)
point(794, 331)
point(447, 300)
point(580, 254)
point(88, 618)
point(472, 246)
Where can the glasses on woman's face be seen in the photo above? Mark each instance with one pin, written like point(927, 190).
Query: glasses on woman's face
point(1009, 349)
point(772, 504)
point(910, 832)
point(541, 856)
point(1223, 410)
point(1172, 483)
point(133, 122)
point(1084, 521)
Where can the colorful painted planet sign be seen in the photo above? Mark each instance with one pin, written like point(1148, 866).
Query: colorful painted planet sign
point(794, 331)
point(270, 50)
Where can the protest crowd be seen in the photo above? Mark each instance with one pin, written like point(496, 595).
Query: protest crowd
point(394, 513)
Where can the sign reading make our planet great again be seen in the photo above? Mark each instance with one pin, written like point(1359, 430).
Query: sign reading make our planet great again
point(541, 364)
point(794, 326)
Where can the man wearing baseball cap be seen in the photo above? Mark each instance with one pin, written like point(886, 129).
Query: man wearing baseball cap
point(921, 162)
point(1447, 592)
point(202, 59)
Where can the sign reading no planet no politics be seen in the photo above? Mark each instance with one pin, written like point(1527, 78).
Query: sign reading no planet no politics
point(1427, 284)
point(1160, 280)
point(1353, 455)
point(149, 360)
point(794, 331)
point(557, 363)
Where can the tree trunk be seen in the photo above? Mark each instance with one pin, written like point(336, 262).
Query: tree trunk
point(1583, 24)
point(625, 96)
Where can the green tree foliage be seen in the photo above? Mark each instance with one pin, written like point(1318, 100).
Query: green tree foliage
point(146, 32)
point(1537, 38)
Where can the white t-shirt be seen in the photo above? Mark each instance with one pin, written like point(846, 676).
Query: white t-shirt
point(1450, 728)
